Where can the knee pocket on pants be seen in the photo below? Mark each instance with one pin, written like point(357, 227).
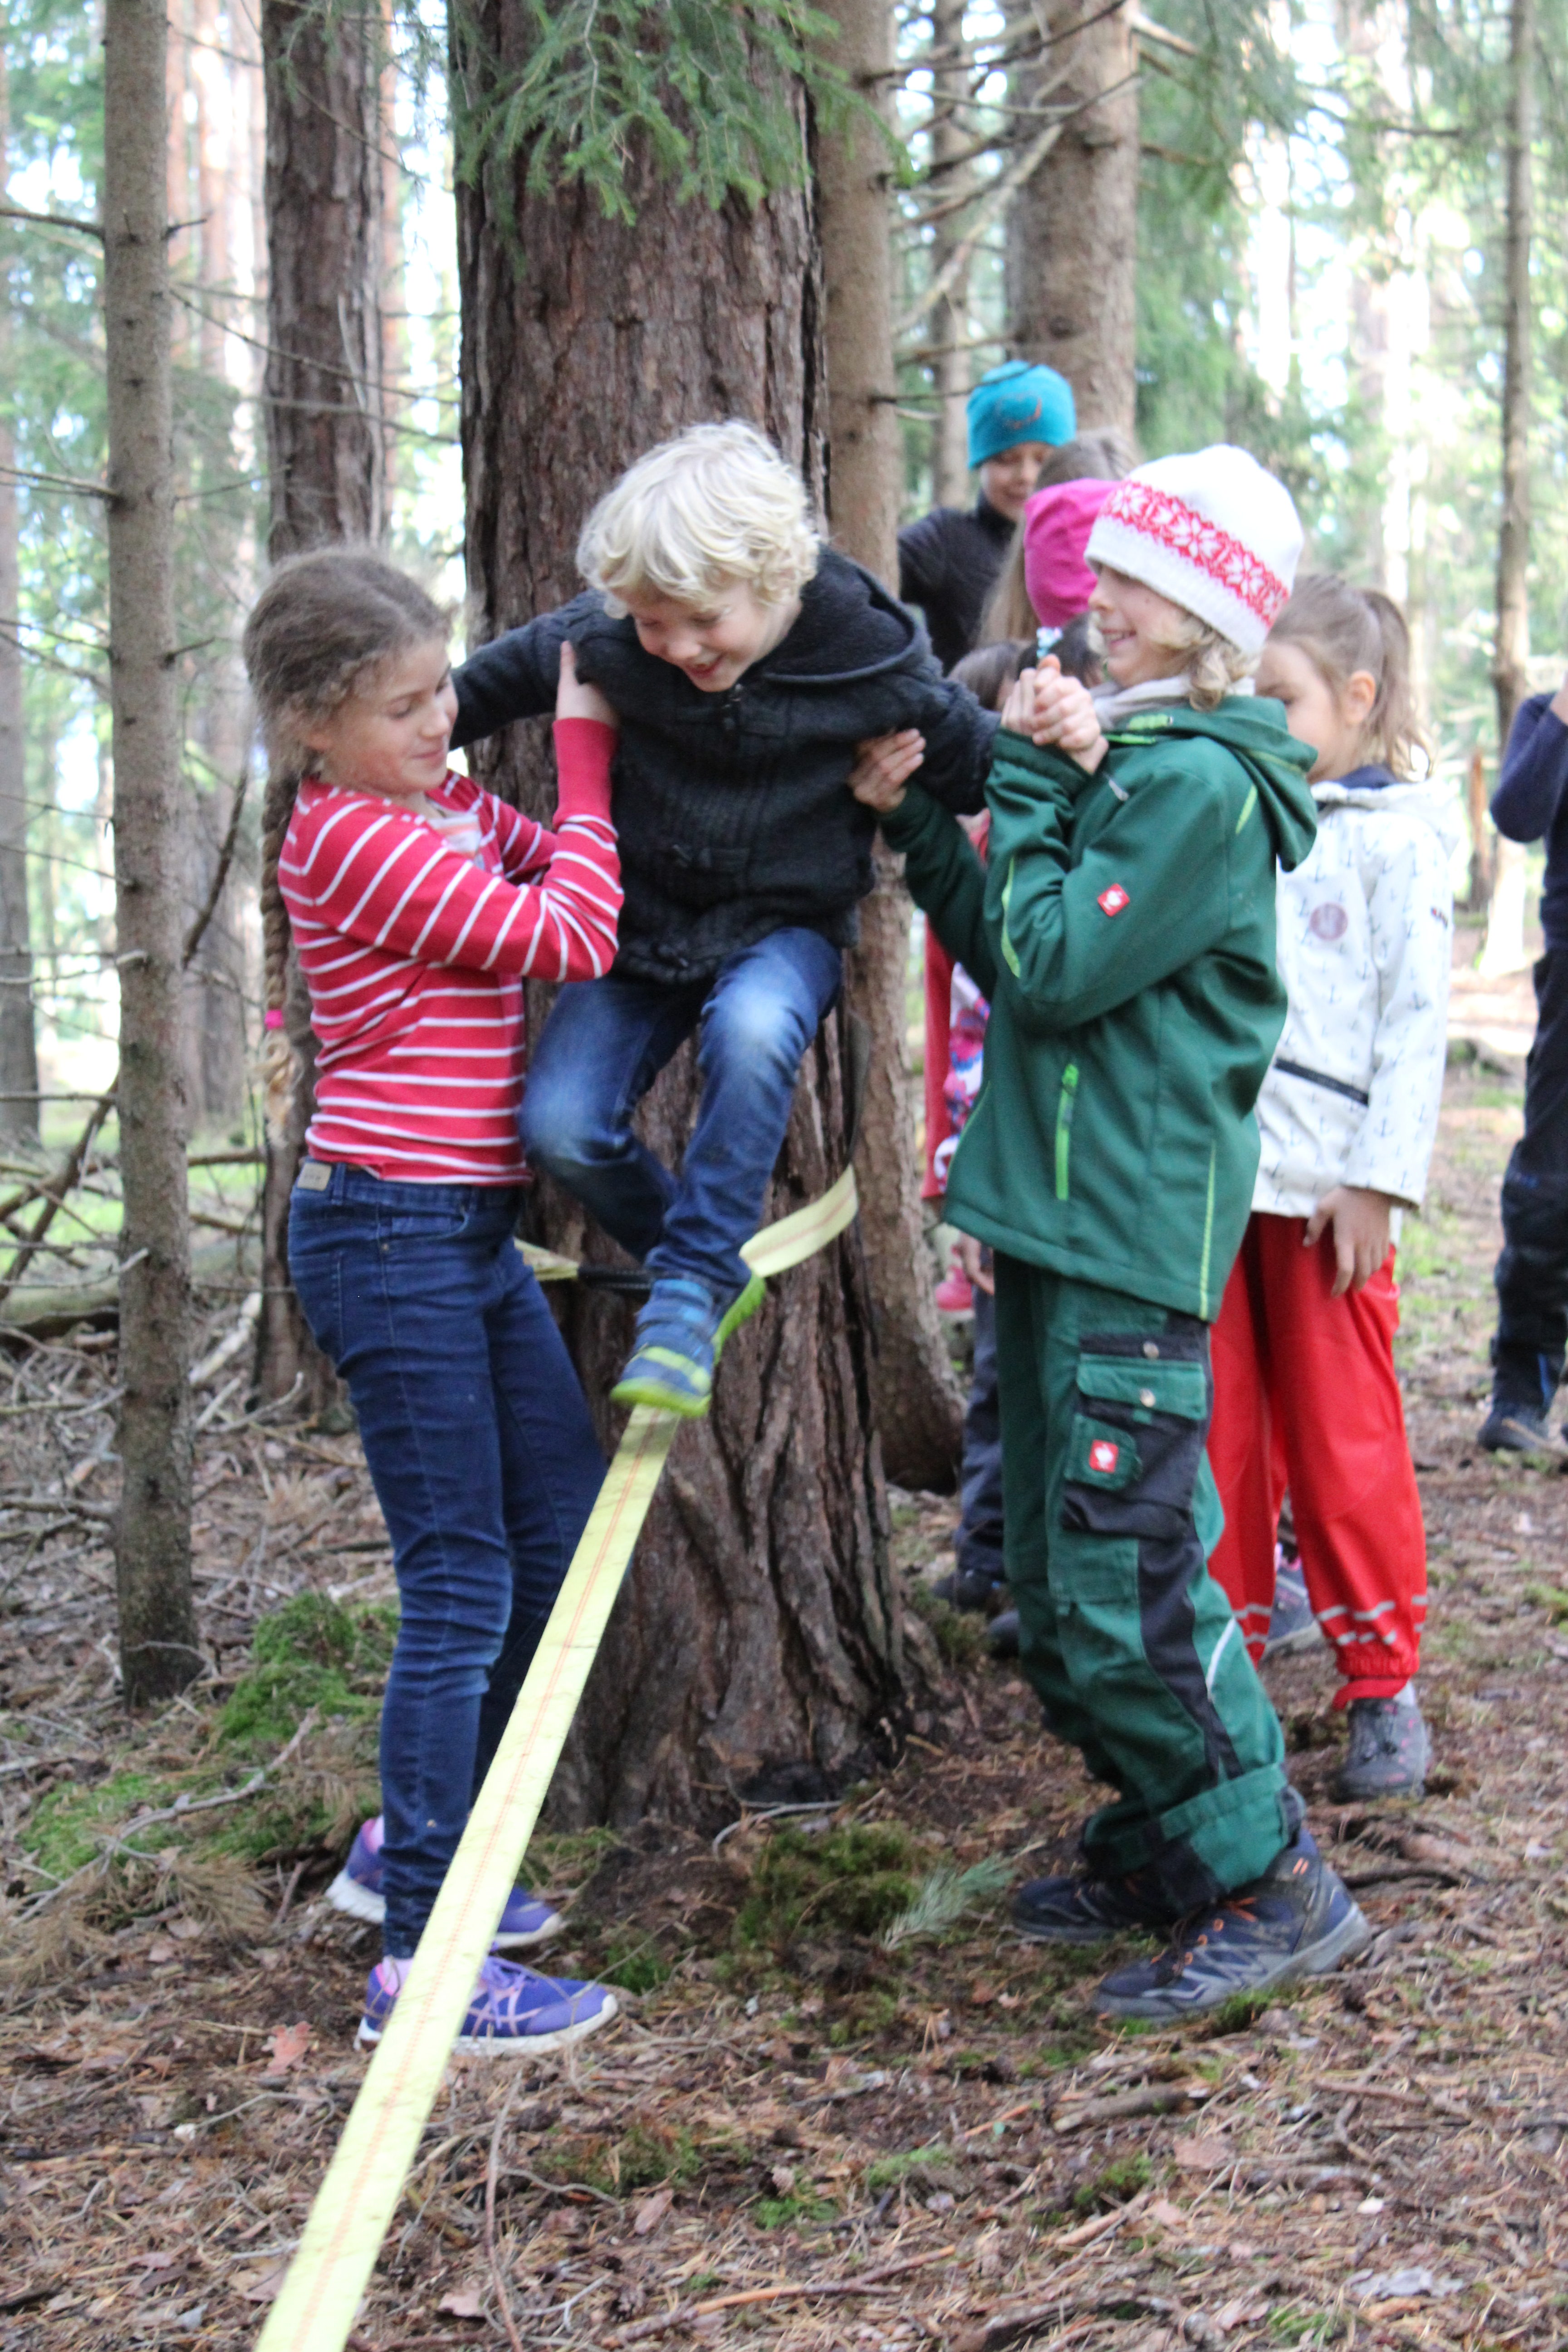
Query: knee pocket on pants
point(1138, 1434)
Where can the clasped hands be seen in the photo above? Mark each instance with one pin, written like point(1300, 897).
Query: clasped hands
point(1043, 704)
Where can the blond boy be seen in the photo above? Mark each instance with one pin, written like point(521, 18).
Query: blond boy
point(746, 661)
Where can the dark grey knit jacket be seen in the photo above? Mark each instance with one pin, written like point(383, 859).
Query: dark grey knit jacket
point(732, 811)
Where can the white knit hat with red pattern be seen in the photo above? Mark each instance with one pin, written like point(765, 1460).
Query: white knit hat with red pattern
point(1213, 533)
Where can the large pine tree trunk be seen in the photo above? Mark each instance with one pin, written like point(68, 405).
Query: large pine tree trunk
point(758, 1642)
point(1072, 240)
point(326, 448)
point(18, 1047)
point(919, 1412)
point(157, 1618)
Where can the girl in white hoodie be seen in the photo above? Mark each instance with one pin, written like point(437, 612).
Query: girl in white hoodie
point(1305, 1390)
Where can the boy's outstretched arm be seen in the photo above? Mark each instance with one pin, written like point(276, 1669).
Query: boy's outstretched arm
point(960, 735)
point(514, 676)
point(1150, 895)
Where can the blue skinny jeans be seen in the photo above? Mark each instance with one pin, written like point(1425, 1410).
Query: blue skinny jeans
point(485, 1464)
point(602, 1047)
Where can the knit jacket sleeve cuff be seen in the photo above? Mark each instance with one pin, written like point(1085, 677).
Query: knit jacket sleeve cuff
point(585, 748)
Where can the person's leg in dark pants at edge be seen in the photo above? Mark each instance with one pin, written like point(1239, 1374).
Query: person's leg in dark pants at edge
point(1531, 1275)
point(978, 1580)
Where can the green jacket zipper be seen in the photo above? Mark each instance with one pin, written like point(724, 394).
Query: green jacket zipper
point(1064, 1102)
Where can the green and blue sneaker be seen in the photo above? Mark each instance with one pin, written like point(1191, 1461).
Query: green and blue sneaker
point(672, 1363)
point(681, 1333)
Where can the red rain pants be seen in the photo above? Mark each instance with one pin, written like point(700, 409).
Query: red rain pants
point(1306, 1398)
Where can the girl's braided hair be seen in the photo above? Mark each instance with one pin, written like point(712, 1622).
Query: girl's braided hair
point(1341, 629)
point(323, 623)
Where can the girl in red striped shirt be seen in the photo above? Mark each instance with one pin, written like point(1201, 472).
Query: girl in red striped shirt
point(417, 903)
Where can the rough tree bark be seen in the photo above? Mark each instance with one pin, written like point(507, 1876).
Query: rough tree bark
point(18, 1045)
point(1504, 948)
point(948, 327)
point(1072, 242)
point(157, 1618)
point(919, 1411)
point(758, 1644)
point(326, 445)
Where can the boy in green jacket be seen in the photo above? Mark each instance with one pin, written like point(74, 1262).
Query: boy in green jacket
point(1123, 931)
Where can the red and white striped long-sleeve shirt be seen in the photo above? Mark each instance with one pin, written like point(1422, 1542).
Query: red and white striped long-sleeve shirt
point(414, 953)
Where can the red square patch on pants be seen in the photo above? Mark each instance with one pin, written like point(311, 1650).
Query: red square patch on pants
point(1103, 1455)
point(1110, 901)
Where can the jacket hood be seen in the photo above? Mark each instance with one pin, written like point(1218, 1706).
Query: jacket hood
point(1252, 728)
point(849, 629)
point(1416, 798)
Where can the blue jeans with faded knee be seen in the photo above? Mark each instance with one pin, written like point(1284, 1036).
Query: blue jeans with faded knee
point(605, 1044)
point(482, 1451)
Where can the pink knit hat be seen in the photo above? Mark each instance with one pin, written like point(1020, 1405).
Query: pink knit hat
point(1057, 524)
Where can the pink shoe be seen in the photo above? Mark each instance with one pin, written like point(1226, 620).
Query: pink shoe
point(955, 1292)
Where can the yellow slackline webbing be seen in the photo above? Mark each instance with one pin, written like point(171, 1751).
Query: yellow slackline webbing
point(327, 2279)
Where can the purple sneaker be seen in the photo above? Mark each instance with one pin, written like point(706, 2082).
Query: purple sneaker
point(357, 1889)
point(513, 2011)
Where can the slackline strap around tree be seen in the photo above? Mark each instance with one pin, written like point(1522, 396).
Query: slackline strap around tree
point(320, 2298)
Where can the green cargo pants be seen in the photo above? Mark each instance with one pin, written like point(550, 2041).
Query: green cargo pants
point(1111, 1512)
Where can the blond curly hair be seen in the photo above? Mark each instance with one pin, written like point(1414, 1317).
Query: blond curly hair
point(714, 508)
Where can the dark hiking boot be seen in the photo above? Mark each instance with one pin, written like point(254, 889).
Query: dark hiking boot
point(1518, 1425)
point(1524, 1382)
point(1077, 1909)
point(965, 1590)
point(1297, 1920)
point(1003, 1634)
point(1390, 1749)
point(1291, 1625)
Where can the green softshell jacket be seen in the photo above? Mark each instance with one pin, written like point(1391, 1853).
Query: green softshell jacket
point(1123, 931)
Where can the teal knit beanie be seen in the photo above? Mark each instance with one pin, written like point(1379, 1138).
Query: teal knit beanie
point(1017, 403)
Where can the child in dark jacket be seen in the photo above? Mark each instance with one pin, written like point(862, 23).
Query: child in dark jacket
point(1123, 931)
point(949, 559)
point(746, 662)
point(1531, 804)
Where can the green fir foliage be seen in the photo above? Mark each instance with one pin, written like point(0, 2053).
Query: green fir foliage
point(707, 88)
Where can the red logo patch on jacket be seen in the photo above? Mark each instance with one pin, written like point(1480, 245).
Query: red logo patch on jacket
point(1111, 901)
point(1103, 1456)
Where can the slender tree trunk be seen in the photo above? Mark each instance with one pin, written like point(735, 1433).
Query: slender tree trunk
point(949, 323)
point(1072, 244)
point(919, 1408)
point(219, 718)
point(1504, 949)
point(157, 1618)
point(18, 1044)
point(758, 1643)
point(326, 448)
point(323, 237)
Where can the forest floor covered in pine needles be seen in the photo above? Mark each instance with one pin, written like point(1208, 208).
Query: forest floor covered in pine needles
point(825, 2118)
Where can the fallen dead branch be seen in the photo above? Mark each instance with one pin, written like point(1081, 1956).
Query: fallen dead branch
point(1154, 2099)
point(804, 2290)
point(99, 1512)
